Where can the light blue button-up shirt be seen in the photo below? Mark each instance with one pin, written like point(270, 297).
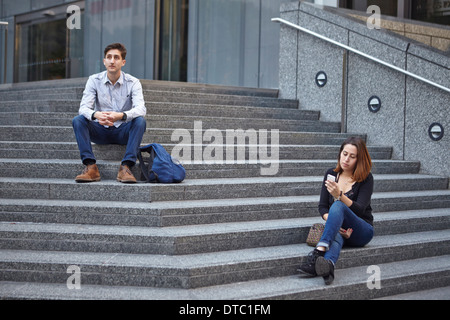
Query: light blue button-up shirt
point(101, 95)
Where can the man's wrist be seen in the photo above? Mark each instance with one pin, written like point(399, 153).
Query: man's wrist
point(124, 117)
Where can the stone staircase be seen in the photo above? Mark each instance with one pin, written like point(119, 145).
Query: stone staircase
point(226, 232)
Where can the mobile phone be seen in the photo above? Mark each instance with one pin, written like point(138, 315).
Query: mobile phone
point(330, 177)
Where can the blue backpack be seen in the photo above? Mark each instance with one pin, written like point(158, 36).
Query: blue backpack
point(160, 167)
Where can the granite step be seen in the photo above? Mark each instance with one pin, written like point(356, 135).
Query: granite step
point(68, 169)
point(186, 87)
point(69, 151)
point(208, 269)
point(167, 105)
point(223, 100)
point(200, 212)
point(350, 284)
point(226, 231)
point(221, 110)
point(191, 122)
point(195, 239)
point(160, 94)
point(31, 96)
point(65, 112)
point(182, 121)
point(166, 135)
point(69, 100)
point(438, 293)
point(49, 87)
point(44, 85)
point(198, 189)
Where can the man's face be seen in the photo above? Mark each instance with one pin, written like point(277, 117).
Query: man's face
point(113, 61)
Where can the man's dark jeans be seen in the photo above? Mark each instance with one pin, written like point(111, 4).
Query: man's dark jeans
point(129, 134)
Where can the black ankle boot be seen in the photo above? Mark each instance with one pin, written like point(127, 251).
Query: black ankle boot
point(325, 268)
point(309, 267)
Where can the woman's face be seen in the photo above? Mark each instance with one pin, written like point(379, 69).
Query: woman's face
point(348, 158)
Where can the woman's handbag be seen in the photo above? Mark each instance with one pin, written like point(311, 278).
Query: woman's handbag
point(315, 233)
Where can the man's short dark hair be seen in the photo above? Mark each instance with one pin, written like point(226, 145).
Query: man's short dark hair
point(118, 46)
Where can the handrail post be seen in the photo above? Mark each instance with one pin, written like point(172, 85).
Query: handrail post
point(6, 49)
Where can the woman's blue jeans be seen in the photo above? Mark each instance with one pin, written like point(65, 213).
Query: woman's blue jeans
point(340, 216)
point(129, 134)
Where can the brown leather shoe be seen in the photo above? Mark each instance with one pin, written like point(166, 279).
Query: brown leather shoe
point(90, 174)
point(125, 175)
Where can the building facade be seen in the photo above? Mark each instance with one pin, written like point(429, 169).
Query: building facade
point(227, 42)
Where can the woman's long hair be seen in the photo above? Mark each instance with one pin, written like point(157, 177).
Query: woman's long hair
point(363, 160)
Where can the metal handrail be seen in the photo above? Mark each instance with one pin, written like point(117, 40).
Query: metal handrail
point(410, 74)
point(6, 51)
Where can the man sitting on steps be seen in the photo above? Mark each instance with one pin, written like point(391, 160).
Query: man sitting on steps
point(112, 111)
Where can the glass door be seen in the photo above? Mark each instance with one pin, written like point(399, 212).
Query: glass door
point(46, 49)
point(171, 39)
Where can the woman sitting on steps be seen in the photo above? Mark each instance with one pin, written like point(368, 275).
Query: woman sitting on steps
point(345, 206)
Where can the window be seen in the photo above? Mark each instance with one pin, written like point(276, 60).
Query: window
point(45, 48)
point(171, 39)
